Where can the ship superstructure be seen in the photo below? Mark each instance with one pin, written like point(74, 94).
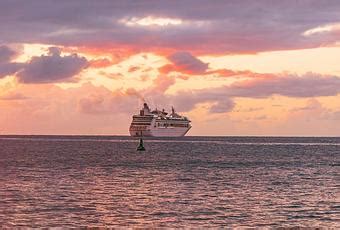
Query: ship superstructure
point(158, 123)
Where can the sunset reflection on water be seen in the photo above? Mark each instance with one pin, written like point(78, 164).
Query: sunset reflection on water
point(206, 182)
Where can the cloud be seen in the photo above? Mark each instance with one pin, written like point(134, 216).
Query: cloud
point(323, 29)
point(44, 69)
point(151, 21)
point(133, 69)
point(52, 67)
point(6, 54)
point(221, 98)
point(49, 109)
point(133, 92)
point(113, 76)
point(7, 69)
point(224, 27)
point(184, 62)
point(88, 108)
point(162, 83)
point(222, 106)
point(187, 100)
point(250, 109)
point(232, 73)
point(102, 101)
point(100, 63)
point(188, 64)
point(13, 96)
point(314, 110)
point(308, 85)
point(335, 115)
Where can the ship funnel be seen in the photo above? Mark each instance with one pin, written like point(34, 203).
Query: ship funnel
point(146, 109)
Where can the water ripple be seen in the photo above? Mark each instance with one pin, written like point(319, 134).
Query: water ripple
point(207, 182)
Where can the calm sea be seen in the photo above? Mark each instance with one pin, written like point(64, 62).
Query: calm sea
point(96, 181)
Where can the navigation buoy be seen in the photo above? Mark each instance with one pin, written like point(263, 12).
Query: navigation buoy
point(141, 145)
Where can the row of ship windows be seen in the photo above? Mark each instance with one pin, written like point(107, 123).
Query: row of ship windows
point(170, 125)
point(141, 123)
point(142, 119)
point(135, 124)
point(141, 128)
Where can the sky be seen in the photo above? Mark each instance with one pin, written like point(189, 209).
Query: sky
point(233, 67)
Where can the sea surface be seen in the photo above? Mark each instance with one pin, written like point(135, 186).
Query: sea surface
point(102, 181)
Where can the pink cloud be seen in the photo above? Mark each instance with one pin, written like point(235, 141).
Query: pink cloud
point(13, 96)
point(89, 109)
point(162, 83)
point(186, 63)
point(49, 109)
point(304, 86)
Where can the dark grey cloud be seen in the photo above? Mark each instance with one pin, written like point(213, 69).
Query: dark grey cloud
point(6, 66)
point(44, 69)
point(6, 54)
point(7, 69)
point(52, 68)
point(219, 27)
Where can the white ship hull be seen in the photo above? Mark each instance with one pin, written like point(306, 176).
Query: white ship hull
point(161, 132)
point(158, 124)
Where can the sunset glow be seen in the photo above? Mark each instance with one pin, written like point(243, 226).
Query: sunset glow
point(323, 29)
point(151, 21)
point(242, 73)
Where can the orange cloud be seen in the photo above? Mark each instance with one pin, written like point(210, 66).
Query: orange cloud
point(100, 63)
point(133, 69)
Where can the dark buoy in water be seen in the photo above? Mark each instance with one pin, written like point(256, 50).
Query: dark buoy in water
point(141, 145)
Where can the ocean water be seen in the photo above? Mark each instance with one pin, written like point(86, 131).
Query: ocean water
point(96, 181)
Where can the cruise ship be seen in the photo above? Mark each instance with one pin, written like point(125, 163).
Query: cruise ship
point(158, 123)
